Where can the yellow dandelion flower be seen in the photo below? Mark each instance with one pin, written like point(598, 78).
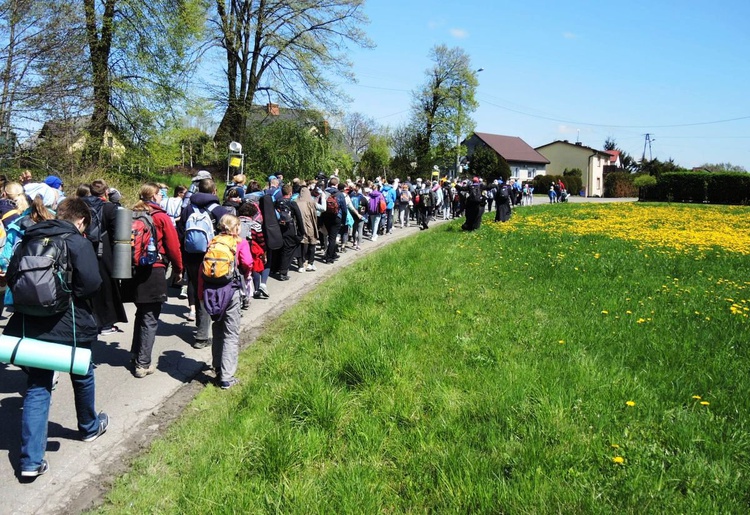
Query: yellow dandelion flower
point(640, 321)
point(605, 312)
point(615, 446)
point(697, 397)
point(458, 312)
point(630, 403)
point(628, 312)
point(619, 460)
point(705, 403)
point(561, 342)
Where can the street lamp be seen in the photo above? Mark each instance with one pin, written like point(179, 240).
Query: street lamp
point(458, 128)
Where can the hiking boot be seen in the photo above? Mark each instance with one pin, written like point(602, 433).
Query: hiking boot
point(43, 468)
point(103, 424)
point(141, 372)
point(201, 344)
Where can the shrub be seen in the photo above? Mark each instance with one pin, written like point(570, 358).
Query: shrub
point(619, 184)
point(715, 188)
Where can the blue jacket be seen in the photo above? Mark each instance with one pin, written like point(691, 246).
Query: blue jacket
point(390, 196)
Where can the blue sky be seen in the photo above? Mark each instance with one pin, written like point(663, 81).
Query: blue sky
point(578, 69)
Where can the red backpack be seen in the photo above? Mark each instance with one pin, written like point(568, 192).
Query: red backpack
point(143, 239)
point(332, 205)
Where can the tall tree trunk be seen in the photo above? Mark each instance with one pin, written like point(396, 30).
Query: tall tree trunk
point(100, 46)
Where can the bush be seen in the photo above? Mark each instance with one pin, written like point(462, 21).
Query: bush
point(715, 188)
point(619, 184)
point(541, 183)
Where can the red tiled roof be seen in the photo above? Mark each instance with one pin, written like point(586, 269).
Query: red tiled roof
point(613, 155)
point(512, 148)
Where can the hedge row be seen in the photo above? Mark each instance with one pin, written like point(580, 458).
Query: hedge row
point(713, 188)
point(573, 184)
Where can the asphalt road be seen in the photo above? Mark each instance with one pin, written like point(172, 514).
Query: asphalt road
point(139, 409)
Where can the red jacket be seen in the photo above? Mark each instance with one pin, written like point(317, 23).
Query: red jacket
point(168, 241)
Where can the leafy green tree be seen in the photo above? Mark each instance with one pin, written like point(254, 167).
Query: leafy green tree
point(403, 143)
point(40, 63)
point(376, 158)
point(626, 160)
point(139, 53)
point(288, 147)
point(442, 107)
point(486, 163)
point(573, 172)
point(286, 48)
point(656, 168)
point(722, 167)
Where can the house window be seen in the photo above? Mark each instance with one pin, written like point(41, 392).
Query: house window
point(110, 141)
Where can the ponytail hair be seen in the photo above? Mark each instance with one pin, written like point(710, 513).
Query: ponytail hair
point(39, 211)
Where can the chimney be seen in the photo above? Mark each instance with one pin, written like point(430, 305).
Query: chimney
point(272, 109)
point(580, 144)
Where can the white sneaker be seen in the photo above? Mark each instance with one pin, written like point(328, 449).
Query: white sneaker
point(374, 237)
point(310, 268)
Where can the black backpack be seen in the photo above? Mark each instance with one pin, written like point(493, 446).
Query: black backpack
point(40, 276)
point(475, 194)
point(96, 230)
point(286, 218)
point(503, 192)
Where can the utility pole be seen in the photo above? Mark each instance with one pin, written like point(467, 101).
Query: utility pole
point(647, 143)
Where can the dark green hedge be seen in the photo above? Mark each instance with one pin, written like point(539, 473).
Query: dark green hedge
point(619, 185)
point(698, 187)
point(541, 183)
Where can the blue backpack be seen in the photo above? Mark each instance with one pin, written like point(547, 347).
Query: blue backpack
point(199, 230)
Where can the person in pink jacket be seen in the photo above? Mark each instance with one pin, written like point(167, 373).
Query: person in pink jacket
point(224, 302)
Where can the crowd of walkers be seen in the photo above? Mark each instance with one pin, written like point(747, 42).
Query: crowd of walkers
point(221, 252)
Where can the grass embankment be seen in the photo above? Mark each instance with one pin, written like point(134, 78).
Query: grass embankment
point(580, 358)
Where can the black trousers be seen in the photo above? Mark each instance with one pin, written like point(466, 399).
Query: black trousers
point(333, 225)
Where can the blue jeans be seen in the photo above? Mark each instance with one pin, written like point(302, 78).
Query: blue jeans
point(35, 416)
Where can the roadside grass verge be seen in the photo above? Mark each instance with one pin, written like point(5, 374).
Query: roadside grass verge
point(537, 366)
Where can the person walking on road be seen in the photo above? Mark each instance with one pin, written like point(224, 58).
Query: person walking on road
point(76, 325)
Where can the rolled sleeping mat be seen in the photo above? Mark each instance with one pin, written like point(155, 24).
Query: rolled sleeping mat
point(123, 225)
point(122, 252)
point(122, 261)
point(28, 352)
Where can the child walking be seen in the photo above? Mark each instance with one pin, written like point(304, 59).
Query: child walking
point(222, 295)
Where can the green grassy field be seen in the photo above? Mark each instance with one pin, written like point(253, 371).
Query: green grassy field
point(568, 361)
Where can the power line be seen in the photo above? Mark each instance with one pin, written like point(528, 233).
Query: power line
point(616, 126)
